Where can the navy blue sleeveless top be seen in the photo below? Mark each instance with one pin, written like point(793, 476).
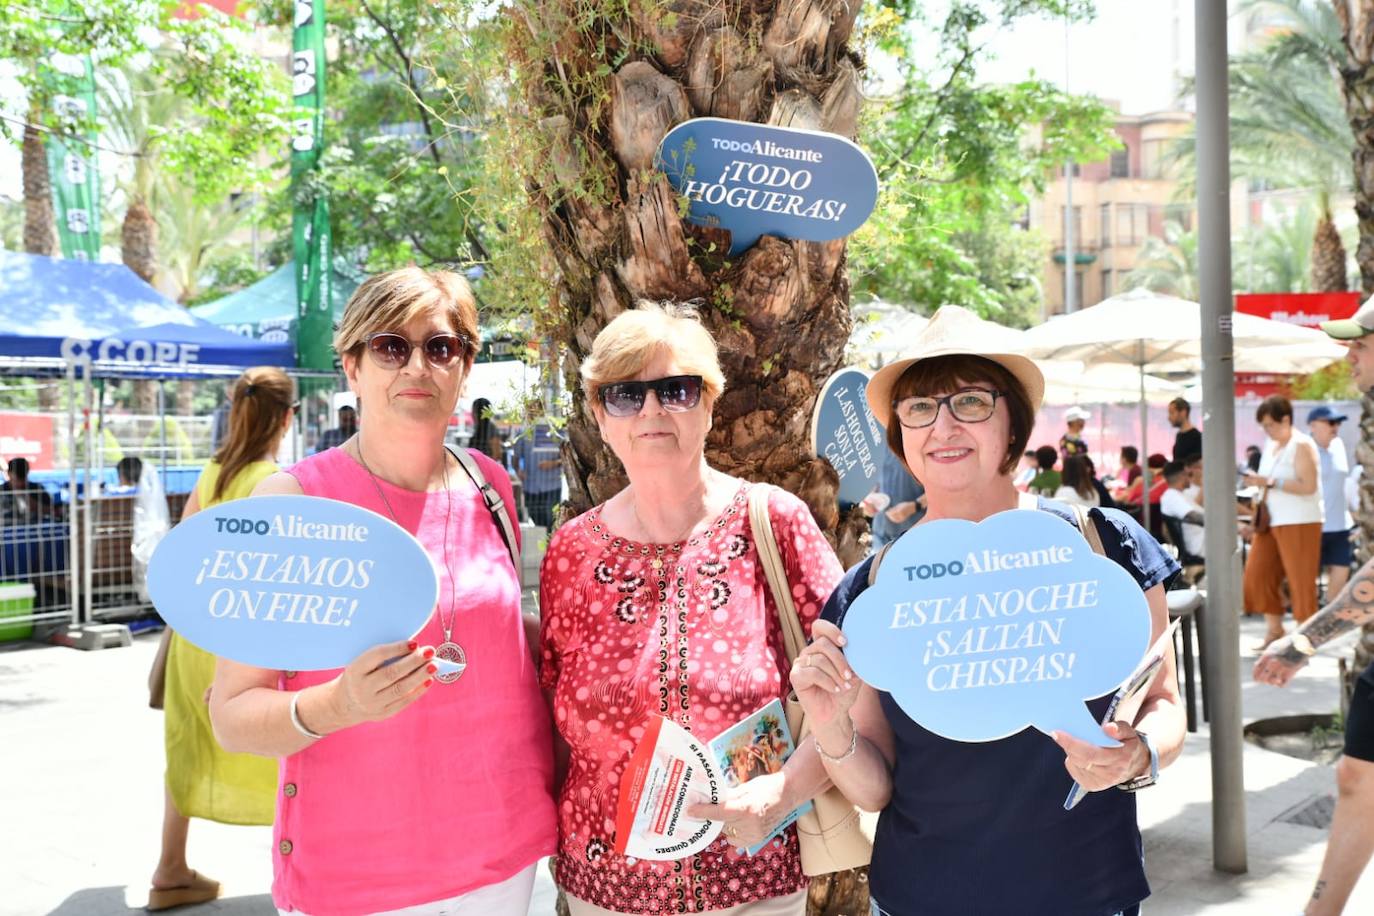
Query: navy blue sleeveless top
point(980, 829)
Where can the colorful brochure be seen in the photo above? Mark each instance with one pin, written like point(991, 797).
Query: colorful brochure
point(1130, 695)
point(670, 769)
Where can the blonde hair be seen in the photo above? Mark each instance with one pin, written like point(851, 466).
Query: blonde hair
point(633, 338)
point(388, 301)
point(262, 397)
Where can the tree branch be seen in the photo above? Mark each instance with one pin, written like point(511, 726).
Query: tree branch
point(409, 77)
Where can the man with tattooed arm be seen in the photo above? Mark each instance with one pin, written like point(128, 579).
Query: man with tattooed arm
point(1352, 827)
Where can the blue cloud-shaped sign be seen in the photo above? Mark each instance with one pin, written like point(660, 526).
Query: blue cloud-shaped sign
point(756, 179)
point(291, 582)
point(979, 630)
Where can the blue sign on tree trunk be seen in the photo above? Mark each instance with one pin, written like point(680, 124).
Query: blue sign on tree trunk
point(755, 179)
point(845, 433)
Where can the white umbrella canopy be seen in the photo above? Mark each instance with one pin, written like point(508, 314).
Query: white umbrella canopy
point(882, 330)
point(1298, 359)
point(1149, 330)
point(1070, 382)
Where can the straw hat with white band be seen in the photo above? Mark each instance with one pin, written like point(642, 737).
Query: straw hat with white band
point(954, 331)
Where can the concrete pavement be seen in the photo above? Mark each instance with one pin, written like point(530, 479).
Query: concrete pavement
point(81, 801)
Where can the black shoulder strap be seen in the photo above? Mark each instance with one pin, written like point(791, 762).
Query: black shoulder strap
point(495, 504)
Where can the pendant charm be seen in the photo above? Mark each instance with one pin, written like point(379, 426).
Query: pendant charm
point(453, 653)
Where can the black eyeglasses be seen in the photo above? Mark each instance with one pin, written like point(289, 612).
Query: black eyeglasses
point(676, 393)
point(972, 405)
point(392, 351)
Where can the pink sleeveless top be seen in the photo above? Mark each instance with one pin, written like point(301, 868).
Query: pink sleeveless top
point(454, 792)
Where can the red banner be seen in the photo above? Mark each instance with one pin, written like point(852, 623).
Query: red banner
point(24, 435)
point(1306, 309)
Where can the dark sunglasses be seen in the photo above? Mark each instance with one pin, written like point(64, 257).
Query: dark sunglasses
point(392, 351)
point(676, 393)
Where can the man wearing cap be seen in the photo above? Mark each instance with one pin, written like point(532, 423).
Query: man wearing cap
point(1324, 424)
point(1352, 825)
point(1071, 443)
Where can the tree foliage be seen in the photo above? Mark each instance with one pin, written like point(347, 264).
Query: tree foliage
point(958, 159)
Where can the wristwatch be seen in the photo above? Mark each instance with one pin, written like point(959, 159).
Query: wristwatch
point(1150, 778)
point(1304, 645)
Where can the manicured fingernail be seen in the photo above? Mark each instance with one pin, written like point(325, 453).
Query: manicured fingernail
point(843, 641)
point(411, 645)
point(848, 674)
point(428, 681)
point(429, 653)
point(432, 669)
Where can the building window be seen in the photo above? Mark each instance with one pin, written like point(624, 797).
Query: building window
point(1181, 214)
point(1077, 226)
point(1132, 223)
point(1106, 283)
point(1152, 154)
point(1121, 163)
point(1104, 232)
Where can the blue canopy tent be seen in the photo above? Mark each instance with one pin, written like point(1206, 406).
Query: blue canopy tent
point(54, 312)
point(89, 321)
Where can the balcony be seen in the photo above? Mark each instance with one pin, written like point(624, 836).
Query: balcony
point(1085, 253)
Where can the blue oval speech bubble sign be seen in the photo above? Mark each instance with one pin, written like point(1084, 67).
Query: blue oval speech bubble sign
point(291, 582)
point(845, 433)
point(978, 630)
point(755, 179)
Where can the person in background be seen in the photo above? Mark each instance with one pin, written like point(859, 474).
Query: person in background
point(540, 470)
point(1047, 480)
point(1290, 550)
point(1077, 485)
point(1129, 468)
point(219, 420)
point(1253, 455)
point(903, 503)
point(1029, 468)
point(1176, 503)
point(23, 502)
point(128, 471)
point(203, 780)
point(348, 425)
point(1352, 824)
point(1130, 500)
point(486, 438)
point(1188, 440)
point(1104, 498)
point(1071, 443)
point(1337, 556)
point(1192, 467)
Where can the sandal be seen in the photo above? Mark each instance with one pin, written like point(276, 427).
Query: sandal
point(200, 890)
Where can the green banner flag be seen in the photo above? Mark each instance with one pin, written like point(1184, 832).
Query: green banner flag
point(310, 223)
point(72, 164)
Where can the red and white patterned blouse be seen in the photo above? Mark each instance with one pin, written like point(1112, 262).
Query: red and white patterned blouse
point(687, 631)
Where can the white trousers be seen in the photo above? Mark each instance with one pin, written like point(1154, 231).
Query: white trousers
point(510, 897)
point(791, 905)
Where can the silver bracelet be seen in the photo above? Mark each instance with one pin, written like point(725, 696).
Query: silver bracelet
point(296, 719)
point(853, 746)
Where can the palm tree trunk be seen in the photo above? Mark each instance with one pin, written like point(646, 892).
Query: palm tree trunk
point(138, 241)
point(1328, 257)
point(40, 223)
point(1357, 91)
point(779, 311)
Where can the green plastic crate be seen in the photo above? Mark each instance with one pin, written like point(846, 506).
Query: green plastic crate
point(16, 600)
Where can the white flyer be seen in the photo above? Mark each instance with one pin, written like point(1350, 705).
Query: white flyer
point(668, 770)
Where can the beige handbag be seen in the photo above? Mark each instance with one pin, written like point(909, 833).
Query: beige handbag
point(834, 835)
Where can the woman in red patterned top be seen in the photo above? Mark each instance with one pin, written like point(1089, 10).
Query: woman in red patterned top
point(654, 603)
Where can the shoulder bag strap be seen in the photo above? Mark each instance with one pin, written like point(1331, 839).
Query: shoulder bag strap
point(492, 497)
point(878, 561)
point(770, 558)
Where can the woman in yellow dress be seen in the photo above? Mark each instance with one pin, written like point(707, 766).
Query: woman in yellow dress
point(202, 779)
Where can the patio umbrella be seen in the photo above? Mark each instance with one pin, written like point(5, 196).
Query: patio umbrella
point(1150, 331)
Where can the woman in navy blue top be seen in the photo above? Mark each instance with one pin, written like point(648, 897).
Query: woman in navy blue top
point(980, 829)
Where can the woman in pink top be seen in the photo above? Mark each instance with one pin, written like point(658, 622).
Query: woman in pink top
point(402, 788)
point(654, 603)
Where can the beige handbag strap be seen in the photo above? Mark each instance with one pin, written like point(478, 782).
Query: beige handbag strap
point(495, 504)
point(770, 558)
